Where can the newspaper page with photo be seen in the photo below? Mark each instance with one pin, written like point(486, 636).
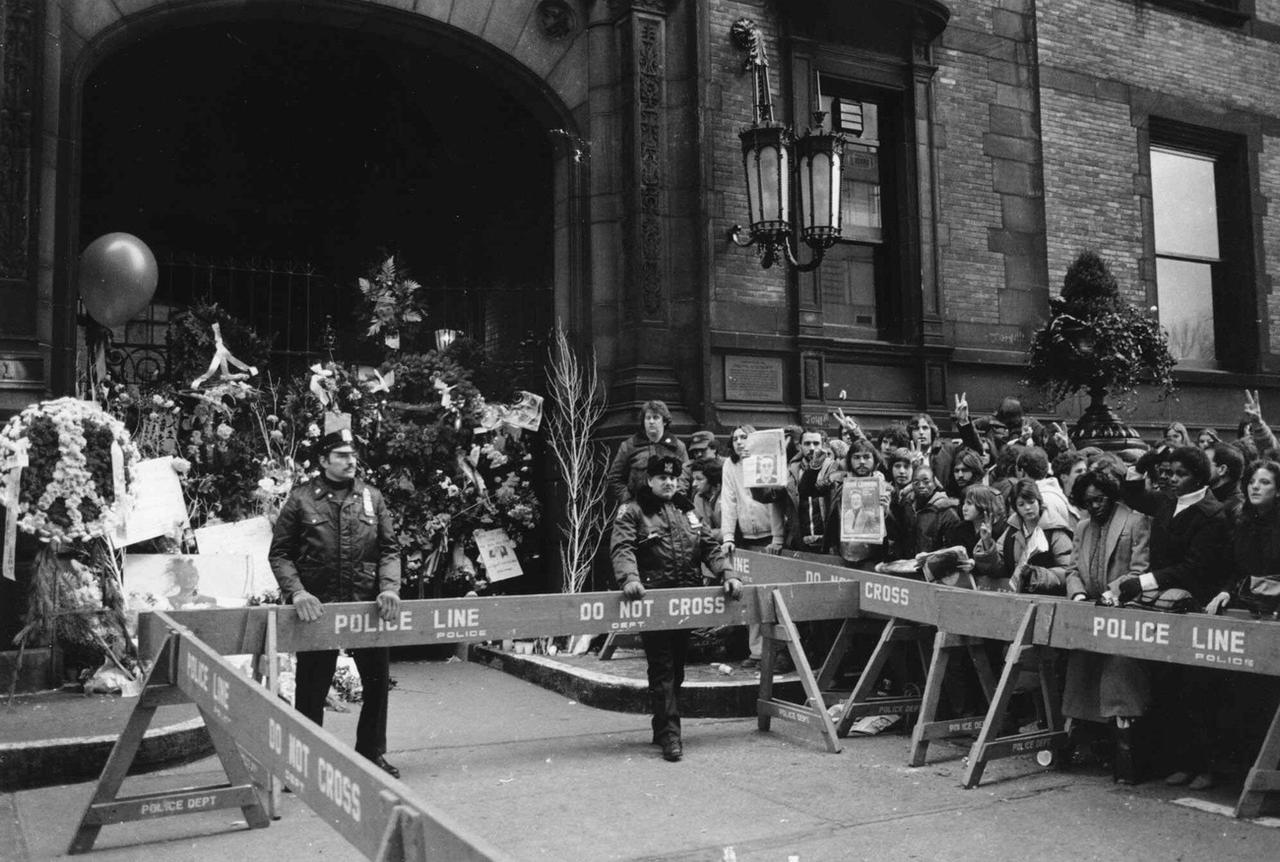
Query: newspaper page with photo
point(861, 515)
point(765, 464)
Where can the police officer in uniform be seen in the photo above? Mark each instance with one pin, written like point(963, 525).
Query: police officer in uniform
point(659, 541)
point(333, 542)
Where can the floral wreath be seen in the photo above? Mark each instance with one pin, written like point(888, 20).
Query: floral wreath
point(74, 465)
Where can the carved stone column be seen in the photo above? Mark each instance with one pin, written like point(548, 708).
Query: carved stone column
point(642, 27)
point(18, 87)
point(657, 339)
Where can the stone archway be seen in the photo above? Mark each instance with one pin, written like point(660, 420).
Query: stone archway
point(541, 62)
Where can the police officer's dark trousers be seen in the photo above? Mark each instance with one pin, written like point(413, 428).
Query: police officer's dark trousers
point(314, 676)
point(665, 652)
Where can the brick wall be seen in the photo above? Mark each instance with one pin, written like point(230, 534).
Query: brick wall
point(743, 296)
point(1097, 57)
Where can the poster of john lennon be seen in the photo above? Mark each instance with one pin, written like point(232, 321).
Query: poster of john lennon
point(163, 582)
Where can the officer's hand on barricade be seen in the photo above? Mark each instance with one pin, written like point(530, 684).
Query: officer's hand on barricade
point(1218, 604)
point(1128, 588)
point(727, 547)
point(773, 548)
point(1106, 600)
point(633, 589)
point(733, 588)
point(389, 605)
point(1079, 597)
point(308, 606)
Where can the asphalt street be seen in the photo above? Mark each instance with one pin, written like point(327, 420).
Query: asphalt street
point(543, 777)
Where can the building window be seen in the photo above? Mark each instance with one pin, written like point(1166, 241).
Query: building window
point(854, 277)
point(1230, 13)
point(1201, 229)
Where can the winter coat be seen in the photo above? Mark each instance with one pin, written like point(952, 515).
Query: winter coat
point(1187, 550)
point(662, 542)
point(1255, 553)
point(345, 555)
point(740, 512)
point(1048, 567)
point(708, 510)
point(1120, 546)
point(825, 489)
point(627, 472)
point(926, 524)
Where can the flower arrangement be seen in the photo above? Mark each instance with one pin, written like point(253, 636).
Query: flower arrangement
point(80, 463)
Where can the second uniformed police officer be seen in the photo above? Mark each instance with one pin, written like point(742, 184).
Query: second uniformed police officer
point(333, 542)
point(658, 541)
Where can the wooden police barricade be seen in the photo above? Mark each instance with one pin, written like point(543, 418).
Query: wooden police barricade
point(887, 596)
point(372, 810)
point(911, 608)
point(1233, 642)
point(1024, 622)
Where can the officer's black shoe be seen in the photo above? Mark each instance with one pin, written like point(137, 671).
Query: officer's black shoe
point(671, 750)
point(382, 764)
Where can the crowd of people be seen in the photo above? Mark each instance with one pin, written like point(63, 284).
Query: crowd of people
point(1190, 523)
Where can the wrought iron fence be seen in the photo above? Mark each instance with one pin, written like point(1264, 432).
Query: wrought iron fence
point(286, 303)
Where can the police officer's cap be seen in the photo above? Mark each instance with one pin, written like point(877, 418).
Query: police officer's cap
point(336, 440)
point(665, 465)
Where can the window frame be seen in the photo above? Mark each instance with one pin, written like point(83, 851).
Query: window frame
point(1239, 315)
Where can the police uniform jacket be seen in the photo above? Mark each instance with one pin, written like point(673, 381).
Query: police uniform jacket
point(345, 553)
point(662, 543)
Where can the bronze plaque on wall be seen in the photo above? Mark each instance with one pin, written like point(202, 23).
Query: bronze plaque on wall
point(753, 378)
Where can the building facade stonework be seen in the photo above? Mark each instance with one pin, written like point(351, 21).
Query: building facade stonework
point(992, 141)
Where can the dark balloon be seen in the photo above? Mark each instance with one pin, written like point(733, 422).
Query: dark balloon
point(118, 276)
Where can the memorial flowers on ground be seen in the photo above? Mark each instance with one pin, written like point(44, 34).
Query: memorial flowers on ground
point(66, 467)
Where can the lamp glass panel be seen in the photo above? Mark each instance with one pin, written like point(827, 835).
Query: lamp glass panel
point(806, 192)
point(819, 180)
point(767, 164)
point(751, 161)
point(833, 190)
point(784, 185)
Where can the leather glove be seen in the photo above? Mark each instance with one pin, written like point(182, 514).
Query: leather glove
point(733, 588)
point(633, 589)
point(309, 607)
point(1128, 589)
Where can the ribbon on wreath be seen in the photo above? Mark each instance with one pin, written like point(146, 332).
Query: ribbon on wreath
point(13, 487)
point(221, 362)
point(319, 374)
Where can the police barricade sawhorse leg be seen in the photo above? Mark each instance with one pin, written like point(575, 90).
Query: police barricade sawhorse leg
point(898, 612)
point(379, 815)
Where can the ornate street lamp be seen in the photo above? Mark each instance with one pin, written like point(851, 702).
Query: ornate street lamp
point(773, 159)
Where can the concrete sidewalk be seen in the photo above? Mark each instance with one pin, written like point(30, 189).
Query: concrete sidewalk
point(544, 777)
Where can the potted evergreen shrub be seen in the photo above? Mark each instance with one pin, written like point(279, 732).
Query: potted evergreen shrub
point(1097, 342)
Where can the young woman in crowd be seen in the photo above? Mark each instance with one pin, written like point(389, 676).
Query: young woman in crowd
point(1111, 541)
point(1255, 545)
point(1035, 549)
point(746, 522)
point(983, 518)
